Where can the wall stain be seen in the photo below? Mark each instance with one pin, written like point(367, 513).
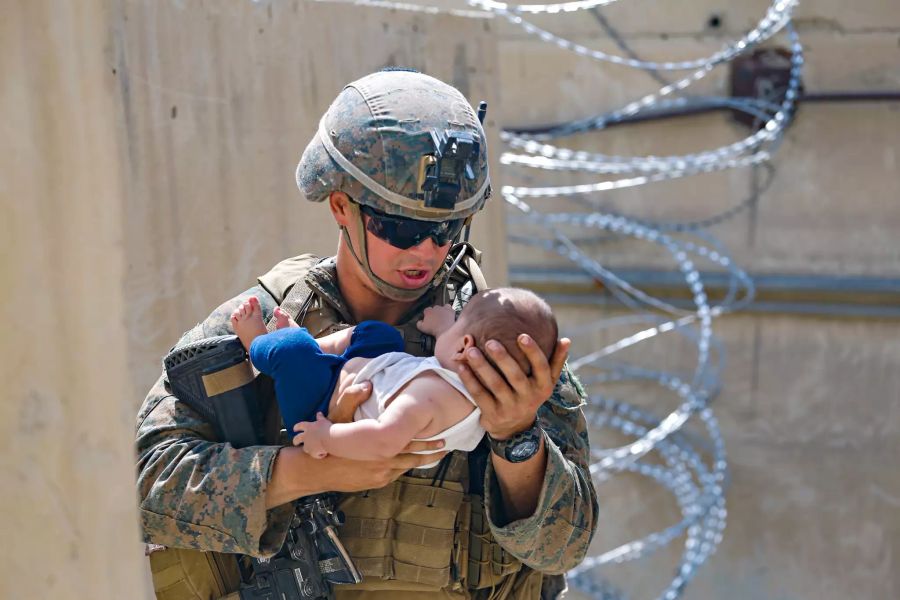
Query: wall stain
point(461, 70)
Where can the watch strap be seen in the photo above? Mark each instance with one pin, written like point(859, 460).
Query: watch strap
point(521, 446)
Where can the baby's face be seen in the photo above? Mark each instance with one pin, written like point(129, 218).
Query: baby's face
point(449, 346)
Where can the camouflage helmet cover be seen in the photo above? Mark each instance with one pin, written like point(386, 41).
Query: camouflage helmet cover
point(372, 138)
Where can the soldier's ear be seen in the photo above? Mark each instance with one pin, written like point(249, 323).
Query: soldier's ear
point(339, 202)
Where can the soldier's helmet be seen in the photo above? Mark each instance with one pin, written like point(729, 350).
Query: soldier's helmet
point(403, 143)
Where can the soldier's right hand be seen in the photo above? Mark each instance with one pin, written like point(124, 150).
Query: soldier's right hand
point(348, 401)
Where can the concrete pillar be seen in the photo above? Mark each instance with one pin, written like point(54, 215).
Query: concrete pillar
point(68, 518)
point(149, 150)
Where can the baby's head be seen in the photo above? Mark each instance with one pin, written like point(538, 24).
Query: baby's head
point(500, 314)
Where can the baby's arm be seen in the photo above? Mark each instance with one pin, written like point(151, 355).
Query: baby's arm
point(411, 411)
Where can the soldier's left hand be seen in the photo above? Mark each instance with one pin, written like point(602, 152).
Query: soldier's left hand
point(509, 399)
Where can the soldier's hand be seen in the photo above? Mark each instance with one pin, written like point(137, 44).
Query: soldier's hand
point(509, 399)
point(420, 446)
point(296, 474)
point(348, 401)
point(358, 475)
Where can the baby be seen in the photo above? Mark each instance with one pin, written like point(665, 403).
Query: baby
point(413, 398)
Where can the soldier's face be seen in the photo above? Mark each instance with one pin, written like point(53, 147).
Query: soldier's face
point(408, 269)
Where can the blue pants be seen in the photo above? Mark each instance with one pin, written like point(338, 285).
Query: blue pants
point(304, 375)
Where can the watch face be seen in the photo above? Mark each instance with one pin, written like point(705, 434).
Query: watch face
point(523, 451)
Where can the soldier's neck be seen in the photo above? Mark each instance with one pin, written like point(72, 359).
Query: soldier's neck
point(365, 303)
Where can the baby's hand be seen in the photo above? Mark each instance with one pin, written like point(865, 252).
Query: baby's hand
point(437, 319)
point(312, 434)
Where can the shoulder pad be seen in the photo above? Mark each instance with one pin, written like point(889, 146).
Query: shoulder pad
point(285, 274)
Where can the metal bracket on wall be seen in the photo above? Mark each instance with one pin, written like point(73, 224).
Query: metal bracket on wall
point(763, 75)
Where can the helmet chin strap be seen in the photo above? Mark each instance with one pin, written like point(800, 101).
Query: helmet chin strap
point(389, 291)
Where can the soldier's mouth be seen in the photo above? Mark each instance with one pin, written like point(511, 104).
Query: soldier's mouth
point(414, 277)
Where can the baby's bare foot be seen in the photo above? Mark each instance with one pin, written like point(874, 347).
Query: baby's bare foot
point(282, 319)
point(247, 321)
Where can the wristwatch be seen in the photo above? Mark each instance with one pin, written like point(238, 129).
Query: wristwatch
point(519, 447)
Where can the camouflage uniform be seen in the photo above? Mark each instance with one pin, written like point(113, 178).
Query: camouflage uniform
point(199, 494)
point(196, 493)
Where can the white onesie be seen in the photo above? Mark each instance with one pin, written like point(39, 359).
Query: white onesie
point(390, 372)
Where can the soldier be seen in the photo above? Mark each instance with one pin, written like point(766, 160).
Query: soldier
point(401, 159)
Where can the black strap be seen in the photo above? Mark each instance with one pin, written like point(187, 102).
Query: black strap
point(441, 472)
point(477, 466)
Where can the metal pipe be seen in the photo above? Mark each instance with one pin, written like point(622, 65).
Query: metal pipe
point(822, 295)
point(819, 97)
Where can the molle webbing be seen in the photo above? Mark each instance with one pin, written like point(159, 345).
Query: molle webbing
point(420, 493)
point(404, 531)
point(377, 529)
point(298, 304)
point(387, 567)
point(488, 563)
point(180, 574)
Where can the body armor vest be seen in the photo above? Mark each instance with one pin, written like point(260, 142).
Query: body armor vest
point(424, 535)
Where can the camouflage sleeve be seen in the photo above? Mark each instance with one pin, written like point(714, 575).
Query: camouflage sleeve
point(196, 493)
point(556, 537)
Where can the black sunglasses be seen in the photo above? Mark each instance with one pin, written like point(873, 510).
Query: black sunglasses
point(404, 233)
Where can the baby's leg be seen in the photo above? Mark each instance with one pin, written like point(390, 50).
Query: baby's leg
point(247, 321)
point(303, 374)
point(248, 324)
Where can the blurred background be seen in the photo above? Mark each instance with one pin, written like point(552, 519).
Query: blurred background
point(147, 174)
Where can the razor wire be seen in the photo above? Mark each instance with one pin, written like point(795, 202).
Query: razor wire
point(698, 489)
point(691, 468)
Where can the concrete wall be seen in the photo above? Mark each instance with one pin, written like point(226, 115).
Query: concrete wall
point(809, 408)
point(69, 519)
point(832, 206)
point(148, 174)
point(809, 417)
